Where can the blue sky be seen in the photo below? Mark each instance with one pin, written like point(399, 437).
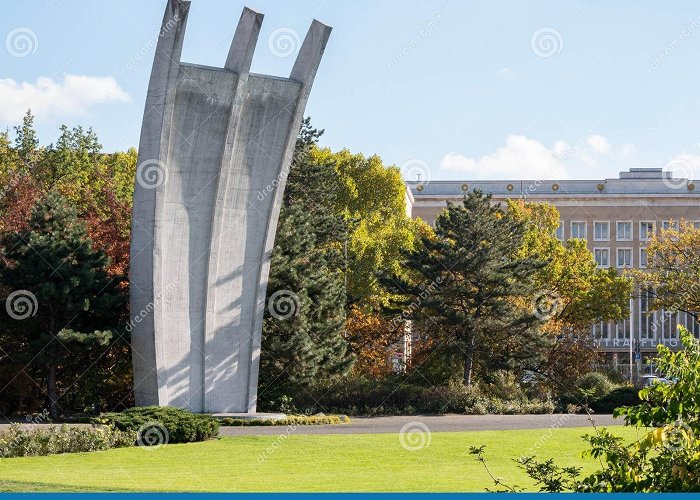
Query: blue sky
point(447, 89)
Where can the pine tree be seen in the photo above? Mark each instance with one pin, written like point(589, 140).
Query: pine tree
point(304, 320)
point(27, 143)
point(59, 296)
point(468, 282)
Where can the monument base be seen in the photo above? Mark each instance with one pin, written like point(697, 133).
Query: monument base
point(251, 416)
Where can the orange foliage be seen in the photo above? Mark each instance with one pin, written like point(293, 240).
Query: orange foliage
point(369, 337)
point(16, 203)
point(108, 227)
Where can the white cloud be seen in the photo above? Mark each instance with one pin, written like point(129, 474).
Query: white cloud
point(519, 158)
point(46, 97)
point(506, 73)
point(523, 158)
point(627, 150)
point(599, 144)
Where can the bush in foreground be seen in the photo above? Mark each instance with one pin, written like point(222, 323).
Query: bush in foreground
point(158, 425)
point(602, 395)
point(665, 459)
point(18, 442)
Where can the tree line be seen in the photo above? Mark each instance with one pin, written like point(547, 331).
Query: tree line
point(488, 288)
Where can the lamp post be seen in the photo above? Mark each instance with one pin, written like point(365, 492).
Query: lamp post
point(631, 338)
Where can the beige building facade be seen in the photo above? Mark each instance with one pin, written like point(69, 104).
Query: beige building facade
point(615, 216)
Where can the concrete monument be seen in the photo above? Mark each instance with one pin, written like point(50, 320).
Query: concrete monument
point(212, 140)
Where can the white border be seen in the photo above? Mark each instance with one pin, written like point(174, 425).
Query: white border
point(602, 248)
point(601, 222)
point(617, 234)
point(617, 260)
point(642, 260)
point(585, 229)
point(641, 233)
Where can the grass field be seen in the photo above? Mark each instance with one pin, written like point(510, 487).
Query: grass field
point(358, 462)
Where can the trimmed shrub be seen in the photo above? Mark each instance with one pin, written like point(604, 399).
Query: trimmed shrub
point(18, 442)
point(621, 396)
point(290, 420)
point(157, 425)
point(595, 381)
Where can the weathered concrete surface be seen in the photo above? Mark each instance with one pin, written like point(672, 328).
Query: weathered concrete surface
point(213, 140)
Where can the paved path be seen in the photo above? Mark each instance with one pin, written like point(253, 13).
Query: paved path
point(442, 423)
point(436, 423)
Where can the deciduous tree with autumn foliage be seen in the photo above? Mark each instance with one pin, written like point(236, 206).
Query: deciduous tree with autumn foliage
point(572, 293)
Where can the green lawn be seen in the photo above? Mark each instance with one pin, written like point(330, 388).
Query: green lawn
point(359, 462)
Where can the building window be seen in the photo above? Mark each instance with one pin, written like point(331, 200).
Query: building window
point(643, 258)
point(601, 231)
point(559, 233)
point(669, 224)
point(647, 318)
point(578, 230)
point(622, 329)
point(624, 231)
point(602, 256)
point(646, 230)
point(624, 257)
point(601, 330)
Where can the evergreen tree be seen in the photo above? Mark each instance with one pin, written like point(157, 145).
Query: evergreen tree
point(469, 283)
point(59, 296)
point(26, 143)
point(304, 319)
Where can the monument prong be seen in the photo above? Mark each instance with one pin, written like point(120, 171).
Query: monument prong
point(240, 55)
point(203, 233)
point(147, 208)
point(309, 57)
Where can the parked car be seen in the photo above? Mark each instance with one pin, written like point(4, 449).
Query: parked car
point(649, 380)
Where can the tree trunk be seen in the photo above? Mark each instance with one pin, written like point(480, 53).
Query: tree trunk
point(469, 362)
point(53, 396)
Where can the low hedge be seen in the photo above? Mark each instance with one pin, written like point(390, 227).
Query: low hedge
point(290, 420)
point(606, 396)
point(367, 397)
point(621, 396)
point(18, 442)
point(158, 425)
